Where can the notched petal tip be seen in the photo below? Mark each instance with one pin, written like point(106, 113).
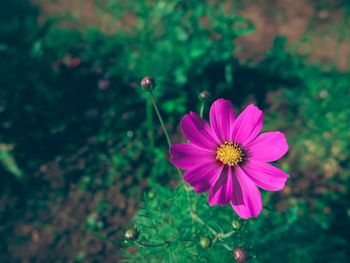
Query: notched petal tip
point(285, 141)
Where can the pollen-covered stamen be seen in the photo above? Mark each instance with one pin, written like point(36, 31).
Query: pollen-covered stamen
point(230, 153)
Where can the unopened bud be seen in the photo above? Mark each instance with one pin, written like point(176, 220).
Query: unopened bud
point(240, 255)
point(205, 242)
point(148, 83)
point(204, 95)
point(236, 225)
point(131, 234)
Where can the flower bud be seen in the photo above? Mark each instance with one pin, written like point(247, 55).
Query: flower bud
point(236, 225)
point(148, 83)
point(131, 234)
point(204, 95)
point(240, 255)
point(205, 242)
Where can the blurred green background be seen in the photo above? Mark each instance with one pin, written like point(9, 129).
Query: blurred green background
point(79, 141)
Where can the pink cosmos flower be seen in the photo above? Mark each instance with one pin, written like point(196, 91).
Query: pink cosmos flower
point(229, 158)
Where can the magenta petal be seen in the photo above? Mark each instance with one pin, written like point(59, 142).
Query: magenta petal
point(268, 147)
point(247, 125)
point(201, 176)
point(265, 175)
point(221, 192)
point(198, 131)
point(187, 155)
point(246, 200)
point(221, 119)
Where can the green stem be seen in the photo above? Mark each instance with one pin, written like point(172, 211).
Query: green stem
point(160, 118)
point(169, 143)
point(150, 128)
point(163, 125)
point(201, 111)
point(227, 235)
point(165, 243)
point(190, 207)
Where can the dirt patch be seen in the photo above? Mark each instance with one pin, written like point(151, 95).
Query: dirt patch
point(316, 28)
point(61, 224)
point(308, 26)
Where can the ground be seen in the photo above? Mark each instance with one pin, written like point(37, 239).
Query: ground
point(70, 209)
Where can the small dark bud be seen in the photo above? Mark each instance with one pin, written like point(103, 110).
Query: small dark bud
point(131, 234)
point(236, 225)
point(240, 255)
point(148, 83)
point(204, 95)
point(205, 242)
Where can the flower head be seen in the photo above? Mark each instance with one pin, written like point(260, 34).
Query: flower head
point(228, 158)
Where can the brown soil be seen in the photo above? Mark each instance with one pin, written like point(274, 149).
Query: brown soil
point(62, 224)
point(309, 27)
point(314, 27)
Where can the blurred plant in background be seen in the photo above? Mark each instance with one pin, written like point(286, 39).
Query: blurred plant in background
point(80, 145)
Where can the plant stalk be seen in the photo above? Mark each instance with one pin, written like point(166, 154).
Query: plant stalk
point(153, 99)
point(201, 110)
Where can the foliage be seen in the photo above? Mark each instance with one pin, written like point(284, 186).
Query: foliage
point(203, 34)
point(168, 233)
point(74, 124)
point(306, 215)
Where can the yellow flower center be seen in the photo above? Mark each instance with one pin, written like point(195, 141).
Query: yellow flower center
point(230, 153)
